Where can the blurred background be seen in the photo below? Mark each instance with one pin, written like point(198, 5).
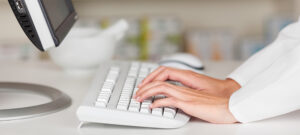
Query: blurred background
point(216, 30)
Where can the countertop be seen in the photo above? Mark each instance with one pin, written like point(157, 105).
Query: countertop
point(65, 122)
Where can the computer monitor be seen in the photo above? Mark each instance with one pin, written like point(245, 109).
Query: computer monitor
point(45, 22)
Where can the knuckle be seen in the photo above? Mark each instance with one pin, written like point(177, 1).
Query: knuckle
point(161, 102)
point(137, 93)
point(146, 95)
point(163, 67)
point(166, 69)
point(174, 101)
point(157, 83)
point(189, 72)
point(162, 85)
point(143, 97)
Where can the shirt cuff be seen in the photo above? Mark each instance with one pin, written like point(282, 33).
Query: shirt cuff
point(238, 79)
point(235, 112)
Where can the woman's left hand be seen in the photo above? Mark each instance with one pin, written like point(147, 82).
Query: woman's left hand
point(208, 107)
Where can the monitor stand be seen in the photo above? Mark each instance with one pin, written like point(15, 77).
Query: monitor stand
point(59, 101)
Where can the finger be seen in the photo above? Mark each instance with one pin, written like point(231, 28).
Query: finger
point(187, 78)
point(169, 90)
point(164, 89)
point(166, 102)
point(147, 87)
point(152, 75)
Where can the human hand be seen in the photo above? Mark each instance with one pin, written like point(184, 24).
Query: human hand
point(193, 80)
point(207, 98)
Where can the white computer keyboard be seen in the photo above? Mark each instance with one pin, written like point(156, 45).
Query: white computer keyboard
point(110, 99)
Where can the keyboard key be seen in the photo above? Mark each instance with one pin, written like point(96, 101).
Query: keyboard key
point(100, 104)
point(103, 97)
point(122, 107)
point(135, 65)
point(135, 102)
point(113, 74)
point(124, 97)
point(114, 70)
point(105, 92)
point(169, 112)
point(107, 87)
point(108, 84)
point(123, 104)
point(134, 106)
point(138, 81)
point(144, 71)
point(145, 109)
point(134, 109)
point(126, 93)
point(112, 78)
point(133, 71)
point(157, 111)
point(102, 100)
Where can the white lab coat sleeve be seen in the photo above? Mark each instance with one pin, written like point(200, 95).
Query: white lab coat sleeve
point(272, 92)
point(263, 59)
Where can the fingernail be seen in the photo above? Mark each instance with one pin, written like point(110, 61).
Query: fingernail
point(138, 99)
point(151, 106)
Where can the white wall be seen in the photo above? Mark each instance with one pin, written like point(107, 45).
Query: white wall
point(297, 8)
point(10, 31)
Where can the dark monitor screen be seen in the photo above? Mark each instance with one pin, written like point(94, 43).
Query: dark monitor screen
point(57, 11)
point(45, 22)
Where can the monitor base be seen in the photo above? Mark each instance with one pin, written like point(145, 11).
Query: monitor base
point(59, 101)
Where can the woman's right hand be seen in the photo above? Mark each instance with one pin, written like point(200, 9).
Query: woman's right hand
point(193, 80)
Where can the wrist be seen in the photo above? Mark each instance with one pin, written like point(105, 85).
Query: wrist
point(231, 86)
point(230, 119)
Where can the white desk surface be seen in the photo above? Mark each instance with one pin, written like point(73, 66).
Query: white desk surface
point(65, 122)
